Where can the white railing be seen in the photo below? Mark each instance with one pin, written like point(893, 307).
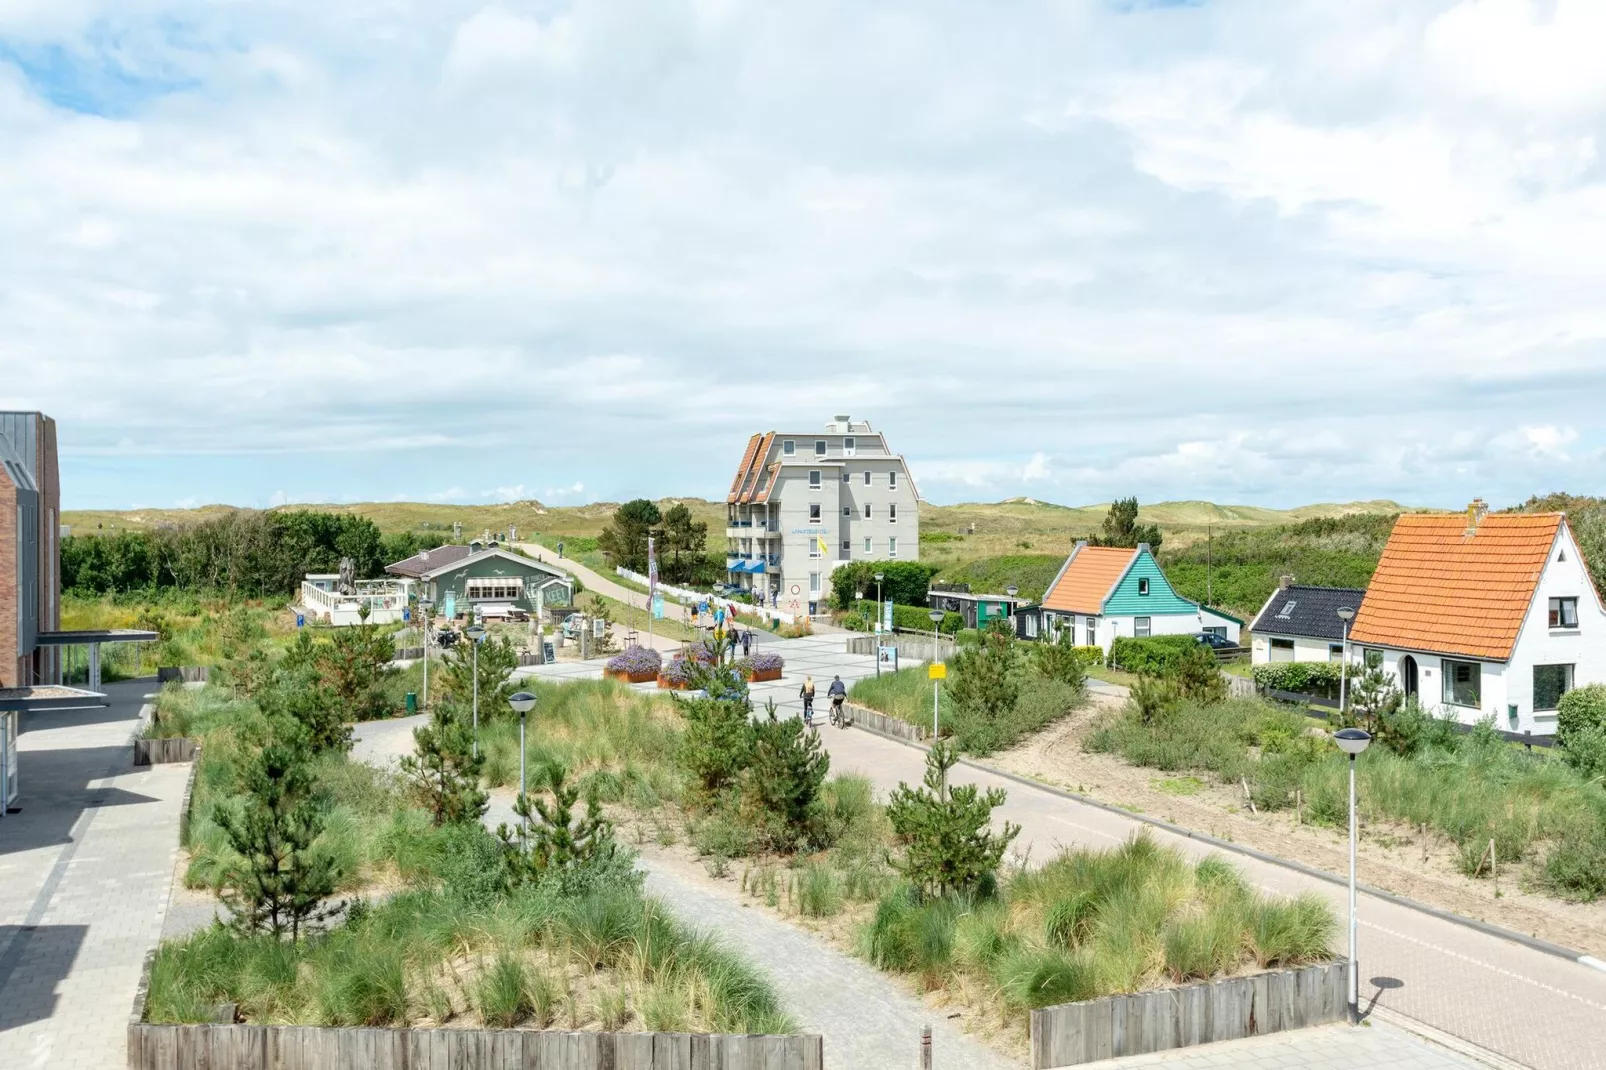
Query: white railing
point(384, 605)
point(686, 597)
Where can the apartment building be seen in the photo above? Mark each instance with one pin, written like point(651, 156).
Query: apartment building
point(30, 552)
point(805, 502)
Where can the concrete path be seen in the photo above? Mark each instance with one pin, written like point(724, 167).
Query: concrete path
point(84, 877)
point(603, 585)
point(1333, 1047)
point(1481, 988)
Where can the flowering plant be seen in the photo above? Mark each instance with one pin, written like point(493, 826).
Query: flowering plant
point(765, 661)
point(636, 661)
point(680, 671)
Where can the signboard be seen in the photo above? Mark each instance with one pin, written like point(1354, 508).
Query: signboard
point(451, 605)
point(937, 671)
point(888, 657)
point(811, 531)
point(407, 614)
point(652, 570)
point(657, 607)
point(546, 649)
point(598, 626)
point(301, 620)
point(886, 616)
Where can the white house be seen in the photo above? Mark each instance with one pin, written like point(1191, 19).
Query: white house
point(1301, 623)
point(1485, 616)
point(1106, 592)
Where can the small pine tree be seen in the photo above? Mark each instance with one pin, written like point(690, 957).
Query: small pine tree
point(498, 659)
point(949, 845)
point(444, 771)
point(716, 745)
point(783, 779)
point(1196, 675)
point(1060, 661)
point(597, 608)
point(984, 680)
point(299, 696)
point(1373, 700)
point(283, 876)
point(354, 666)
point(560, 847)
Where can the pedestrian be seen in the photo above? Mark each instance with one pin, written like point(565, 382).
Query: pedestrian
point(747, 642)
point(807, 691)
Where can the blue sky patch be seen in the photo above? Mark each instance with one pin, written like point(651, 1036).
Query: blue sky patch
point(110, 74)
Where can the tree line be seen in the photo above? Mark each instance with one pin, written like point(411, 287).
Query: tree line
point(247, 552)
point(681, 544)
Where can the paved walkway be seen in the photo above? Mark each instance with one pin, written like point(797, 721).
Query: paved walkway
point(1483, 989)
point(1332, 1047)
point(83, 882)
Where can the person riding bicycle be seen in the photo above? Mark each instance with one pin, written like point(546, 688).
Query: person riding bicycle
point(807, 692)
point(839, 693)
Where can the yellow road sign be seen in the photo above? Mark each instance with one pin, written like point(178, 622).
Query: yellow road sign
point(936, 671)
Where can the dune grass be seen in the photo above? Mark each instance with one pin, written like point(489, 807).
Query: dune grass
point(1095, 923)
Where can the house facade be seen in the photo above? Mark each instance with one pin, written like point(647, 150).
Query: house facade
point(487, 581)
point(1103, 593)
point(1301, 623)
point(804, 502)
point(30, 549)
point(1484, 616)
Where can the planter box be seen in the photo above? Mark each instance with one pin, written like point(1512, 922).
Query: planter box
point(1167, 1018)
point(762, 675)
point(646, 677)
point(671, 685)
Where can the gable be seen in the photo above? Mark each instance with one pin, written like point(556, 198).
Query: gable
point(497, 562)
point(1087, 576)
point(1161, 600)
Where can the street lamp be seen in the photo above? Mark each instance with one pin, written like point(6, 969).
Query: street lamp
point(1352, 741)
point(522, 702)
point(936, 620)
point(1345, 614)
point(476, 632)
point(426, 606)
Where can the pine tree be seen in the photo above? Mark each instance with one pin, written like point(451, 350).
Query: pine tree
point(783, 779)
point(284, 875)
point(949, 845)
point(716, 744)
point(354, 666)
point(1060, 660)
point(1196, 675)
point(444, 771)
point(984, 680)
point(561, 848)
point(497, 660)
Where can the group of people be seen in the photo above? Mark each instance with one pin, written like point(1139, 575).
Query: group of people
point(837, 692)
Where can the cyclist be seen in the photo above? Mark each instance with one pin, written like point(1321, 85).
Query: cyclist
point(807, 692)
point(839, 693)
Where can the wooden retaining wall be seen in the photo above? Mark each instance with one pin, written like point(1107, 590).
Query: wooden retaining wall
point(164, 751)
point(1239, 1007)
point(188, 674)
point(291, 1047)
point(873, 721)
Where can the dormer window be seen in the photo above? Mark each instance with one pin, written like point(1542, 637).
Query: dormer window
point(1143, 585)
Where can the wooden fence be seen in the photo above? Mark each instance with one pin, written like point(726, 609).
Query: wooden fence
point(1167, 1018)
point(164, 751)
point(290, 1047)
point(864, 717)
point(1239, 686)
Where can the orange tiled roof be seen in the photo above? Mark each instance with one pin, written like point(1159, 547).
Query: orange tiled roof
point(750, 479)
point(741, 469)
point(1087, 578)
point(1442, 590)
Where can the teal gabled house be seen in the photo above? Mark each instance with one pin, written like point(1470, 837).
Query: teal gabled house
point(1102, 592)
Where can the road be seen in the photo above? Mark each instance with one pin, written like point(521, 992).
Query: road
point(1509, 999)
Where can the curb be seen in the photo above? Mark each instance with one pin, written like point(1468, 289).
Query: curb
point(1488, 929)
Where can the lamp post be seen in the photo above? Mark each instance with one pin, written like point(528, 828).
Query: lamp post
point(1352, 741)
point(936, 620)
point(426, 606)
point(476, 632)
point(1345, 614)
point(522, 702)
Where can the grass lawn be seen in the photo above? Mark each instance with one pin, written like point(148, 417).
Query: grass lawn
point(637, 619)
point(1113, 676)
point(907, 695)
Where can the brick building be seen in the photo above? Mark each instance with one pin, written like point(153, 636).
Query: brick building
point(30, 549)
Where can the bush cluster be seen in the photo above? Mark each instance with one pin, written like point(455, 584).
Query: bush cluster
point(903, 582)
point(1299, 677)
point(1151, 656)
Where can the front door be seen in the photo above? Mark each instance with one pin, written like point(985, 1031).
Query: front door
point(1408, 675)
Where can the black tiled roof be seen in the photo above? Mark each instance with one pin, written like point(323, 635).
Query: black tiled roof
point(416, 565)
point(1308, 611)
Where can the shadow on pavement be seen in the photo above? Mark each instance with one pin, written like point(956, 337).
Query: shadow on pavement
point(34, 959)
point(56, 792)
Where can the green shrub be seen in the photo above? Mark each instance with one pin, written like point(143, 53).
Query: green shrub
point(949, 846)
point(1092, 656)
point(903, 582)
point(1580, 709)
point(1299, 677)
point(1576, 868)
point(1151, 656)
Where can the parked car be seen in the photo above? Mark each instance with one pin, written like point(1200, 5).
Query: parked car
point(1214, 640)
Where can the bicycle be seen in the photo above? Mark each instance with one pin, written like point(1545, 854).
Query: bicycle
point(839, 715)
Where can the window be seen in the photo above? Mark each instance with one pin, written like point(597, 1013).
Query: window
point(867, 510)
point(867, 544)
point(892, 514)
point(1031, 625)
point(814, 583)
point(788, 447)
point(847, 447)
point(847, 510)
point(1550, 683)
point(1463, 682)
point(814, 546)
point(847, 477)
point(867, 479)
point(1373, 657)
point(495, 588)
point(847, 546)
point(1335, 652)
point(1282, 650)
point(814, 479)
point(1564, 612)
point(892, 546)
point(892, 480)
point(814, 512)
point(1140, 627)
point(1220, 630)
point(1092, 631)
point(819, 447)
point(1143, 585)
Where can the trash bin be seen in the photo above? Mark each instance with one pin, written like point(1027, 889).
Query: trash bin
point(412, 702)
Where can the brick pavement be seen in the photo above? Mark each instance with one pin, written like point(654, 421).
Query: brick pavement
point(83, 882)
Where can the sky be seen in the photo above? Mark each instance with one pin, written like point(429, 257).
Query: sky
point(1261, 253)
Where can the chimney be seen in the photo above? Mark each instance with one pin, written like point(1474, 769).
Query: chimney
point(1476, 511)
point(1284, 581)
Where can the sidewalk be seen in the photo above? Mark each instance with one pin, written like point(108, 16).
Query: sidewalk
point(84, 872)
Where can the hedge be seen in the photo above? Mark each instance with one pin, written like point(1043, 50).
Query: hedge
point(914, 618)
point(1578, 710)
point(1091, 656)
point(1300, 677)
point(1152, 656)
point(904, 582)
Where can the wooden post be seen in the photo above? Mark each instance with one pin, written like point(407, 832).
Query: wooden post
point(1299, 807)
point(1247, 797)
point(1494, 868)
point(925, 1047)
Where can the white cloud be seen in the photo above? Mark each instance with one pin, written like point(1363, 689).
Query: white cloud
point(276, 499)
point(450, 494)
point(1277, 251)
point(507, 494)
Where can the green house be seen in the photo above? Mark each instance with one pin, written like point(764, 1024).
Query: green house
point(488, 581)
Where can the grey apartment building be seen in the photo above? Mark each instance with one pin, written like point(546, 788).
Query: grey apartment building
point(804, 502)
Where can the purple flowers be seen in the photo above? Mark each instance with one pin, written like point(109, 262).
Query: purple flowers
point(679, 671)
point(637, 661)
point(766, 662)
